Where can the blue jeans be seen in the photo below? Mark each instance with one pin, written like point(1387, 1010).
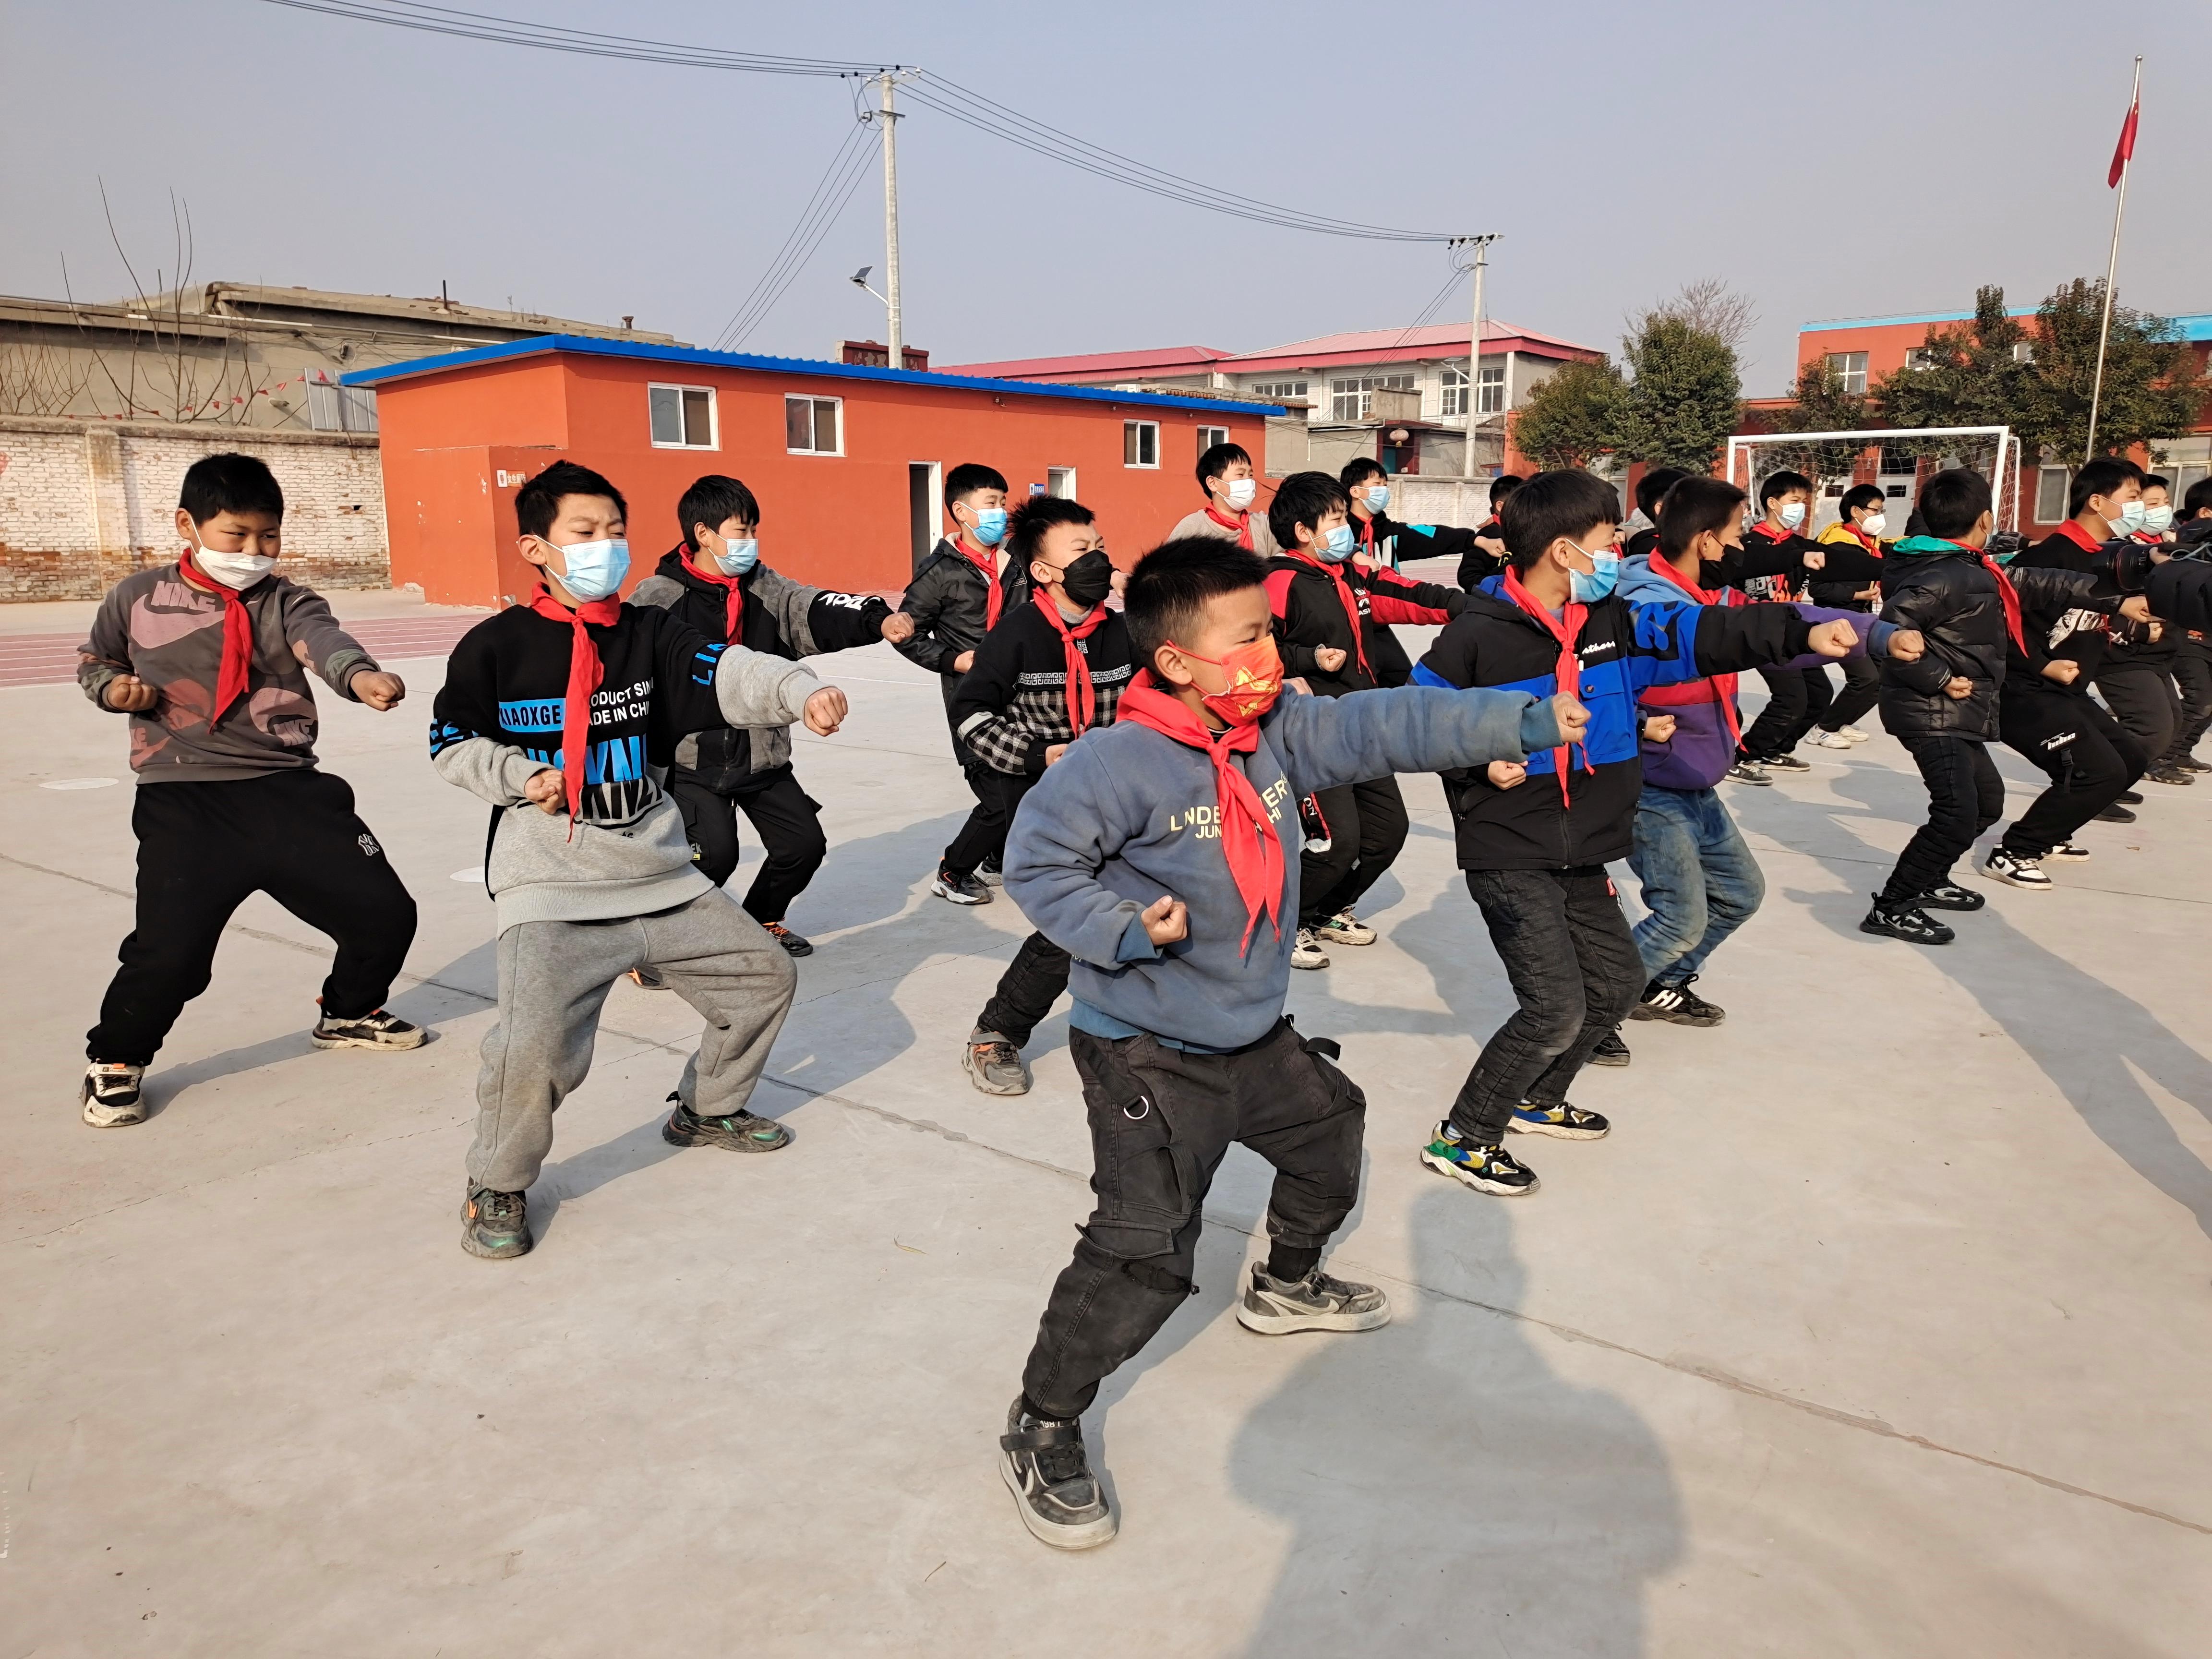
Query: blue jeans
point(1700, 881)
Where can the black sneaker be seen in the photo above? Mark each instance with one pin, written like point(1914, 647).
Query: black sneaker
point(1677, 1006)
point(1951, 896)
point(1043, 1463)
point(740, 1132)
point(961, 889)
point(2129, 797)
point(1610, 1050)
point(991, 873)
point(2117, 813)
point(1486, 1169)
point(1277, 1307)
point(494, 1225)
point(1556, 1117)
point(796, 943)
point(1903, 919)
point(109, 1094)
point(1786, 763)
point(381, 1029)
point(2169, 774)
point(2191, 763)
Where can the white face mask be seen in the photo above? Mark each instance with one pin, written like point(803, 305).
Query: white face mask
point(1241, 493)
point(1793, 514)
point(2131, 514)
point(1378, 497)
point(2158, 519)
point(1874, 523)
point(236, 571)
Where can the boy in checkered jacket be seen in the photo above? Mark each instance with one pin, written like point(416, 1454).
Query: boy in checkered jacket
point(1053, 668)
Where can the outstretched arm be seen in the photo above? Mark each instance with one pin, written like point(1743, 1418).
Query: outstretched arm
point(1424, 728)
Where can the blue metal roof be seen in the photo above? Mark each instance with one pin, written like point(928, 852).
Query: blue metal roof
point(2195, 326)
point(692, 357)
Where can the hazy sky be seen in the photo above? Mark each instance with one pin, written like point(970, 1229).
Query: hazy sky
point(1830, 160)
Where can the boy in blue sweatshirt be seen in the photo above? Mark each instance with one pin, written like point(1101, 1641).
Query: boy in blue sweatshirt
point(1153, 853)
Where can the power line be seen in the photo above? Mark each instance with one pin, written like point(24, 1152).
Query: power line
point(847, 168)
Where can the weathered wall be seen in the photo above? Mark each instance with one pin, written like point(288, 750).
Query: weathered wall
point(83, 504)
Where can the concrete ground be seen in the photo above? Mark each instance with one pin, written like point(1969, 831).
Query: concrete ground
point(1880, 1326)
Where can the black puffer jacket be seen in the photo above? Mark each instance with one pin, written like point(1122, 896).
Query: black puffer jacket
point(949, 600)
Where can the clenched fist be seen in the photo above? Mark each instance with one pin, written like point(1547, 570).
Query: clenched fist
point(1658, 728)
point(1506, 775)
point(379, 690)
point(1958, 688)
point(1574, 719)
point(548, 791)
point(2063, 670)
point(1328, 658)
point(129, 695)
point(825, 711)
point(1166, 920)
point(1907, 645)
point(1832, 639)
point(898, 628)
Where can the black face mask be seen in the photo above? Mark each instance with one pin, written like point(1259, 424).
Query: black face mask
point(1087, 580)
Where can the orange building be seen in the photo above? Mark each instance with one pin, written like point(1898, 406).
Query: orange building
point(849, 461)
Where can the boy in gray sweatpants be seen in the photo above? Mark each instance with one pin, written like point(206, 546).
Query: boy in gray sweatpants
point(561, 714)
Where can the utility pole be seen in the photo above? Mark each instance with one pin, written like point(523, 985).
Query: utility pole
point(889, 117)
point(1481, 245)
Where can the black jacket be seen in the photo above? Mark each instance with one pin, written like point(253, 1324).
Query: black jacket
point(949, 600)
point(1387, 541)
point(1773, 567)
point(1310, 614)
point(1477, 565)
point(2077, 633)
point(1013, 705)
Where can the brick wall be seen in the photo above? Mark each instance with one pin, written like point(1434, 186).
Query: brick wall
point(82, 503)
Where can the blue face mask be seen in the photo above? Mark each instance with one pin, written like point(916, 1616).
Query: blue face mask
point(1590, 589)
point(1337, 545)
point(1378, 497)
point(594, 569)
point(990, 525)
point(741, 556)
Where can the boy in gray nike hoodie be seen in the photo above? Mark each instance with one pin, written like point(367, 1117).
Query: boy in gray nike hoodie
point(1152, 851)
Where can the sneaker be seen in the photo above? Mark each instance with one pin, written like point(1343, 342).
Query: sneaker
point(1903, 919)
point(1307, 952)
point(797, 944)
point(1786, 763)
point(961, 889)
point(2117, 813)
point(994, 1065)
point(1951, 896)
point(1345, 928)
point(2129, 797)
point(109, 1095)
point(2015, 870)
point(1746, 771)
point(1276, 1307)
point(1610, 1050)
point(1828, 740)
point(1486, 1169)
point(2191, 763)
point(494, 1225)
point(991, 873)
point(1557, 1118)
point(1044, 1466)
point(1677, 1005)
point(2068, 849)
point(740, 1132)
point(2169, 774)
point(1852, 734)
point(381, 1029)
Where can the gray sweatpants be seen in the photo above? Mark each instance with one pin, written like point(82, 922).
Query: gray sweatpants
point(553, 977)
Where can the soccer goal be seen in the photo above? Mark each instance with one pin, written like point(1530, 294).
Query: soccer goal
point(1834, 458)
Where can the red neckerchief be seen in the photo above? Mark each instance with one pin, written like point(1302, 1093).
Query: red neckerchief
point(2148, 537)
point(2008, 595)
point(1569, 669)
point(1366, 531)
point(583, 680)
point(1865, 540)
point(1724, 685)
point(1080, 703)
point(733, 609)
point(1241, 525)
point(988, 563)
point(1248, 836)
point(1783, 590)
point(237, 638)
point(2081, 537)
point(1336, 573)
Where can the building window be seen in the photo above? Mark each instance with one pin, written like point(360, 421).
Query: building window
point(1851, 368)
point(813, 426)
point(1277, 391)
point(1919, 358)
point(1059, 481)
point(1352, 398)
point(1210, 435)
point(1452, 399)
point(2052, 483)
point(1140, 443)
point(1490, 391)
point(682, 416)
point(335, 408)
point(2023, 351)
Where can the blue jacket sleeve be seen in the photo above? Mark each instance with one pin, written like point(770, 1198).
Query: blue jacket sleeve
point(1323, 742)
point(1678, 642)
point(1071, 822)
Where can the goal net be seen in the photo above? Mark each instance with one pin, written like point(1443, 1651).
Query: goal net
point(1895, 459)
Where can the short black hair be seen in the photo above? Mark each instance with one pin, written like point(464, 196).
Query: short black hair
point(1569, 502)
point(2098, 477)
point(538, 503)
point(1303, 499)
point(1218, 460)
point(1781, 483)
point(1952, 502)
point(714, 501)
point(1651, 489)
point(1169, 589)
point(1691, 507)
point(2198, 500)
point(1026, 524)
point(1359, 470)
point(2153, 480)
point(1856, 497)
point(1501, 486)
point(965, 479)
point(229, 483)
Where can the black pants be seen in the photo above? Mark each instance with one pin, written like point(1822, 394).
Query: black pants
point(1862, 691)
point(1031, 984)
point(2192, 677)
point(983, 837)
point(1575, 968)
point(786, 817)
point(1367, 831)
point(2090, 759)
point(1796, 697)
point(203, 848)
point(1161, 1122)
point(2142, 698)
point(1965, 796)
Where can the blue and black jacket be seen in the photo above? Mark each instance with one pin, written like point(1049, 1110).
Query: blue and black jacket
point(1622, 649)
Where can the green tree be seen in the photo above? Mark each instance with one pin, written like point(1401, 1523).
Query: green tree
point(1572, 418)
point(1684, 400)
point(1822, 405)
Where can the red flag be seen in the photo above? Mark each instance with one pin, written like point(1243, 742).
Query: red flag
point(2124, 152)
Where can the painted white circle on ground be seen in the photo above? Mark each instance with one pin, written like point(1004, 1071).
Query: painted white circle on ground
point(476, 874)
point(79, 783)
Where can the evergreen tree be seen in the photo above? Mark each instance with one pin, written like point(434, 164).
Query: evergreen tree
point(1572, 418)
point(1684, 402)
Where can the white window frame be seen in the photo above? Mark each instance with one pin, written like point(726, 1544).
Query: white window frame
point(810, 399)
point(1490, 390)
point(2023, 351)
point(1850, 367)
point(1059, 481)
point(1276, 391)
point(1451, 394)
point(713, 414)
point(1210, 435)
point(1146, 434)
point(2050, 480)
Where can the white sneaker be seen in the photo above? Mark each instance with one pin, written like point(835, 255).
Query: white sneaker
point(1820, 739)
point(109, 1095)
point(1307, 952)
point(2015, 870)
point(1852, 734)
point(1345, 928)
point(2068, 849)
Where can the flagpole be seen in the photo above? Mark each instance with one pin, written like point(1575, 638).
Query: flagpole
point(2111, 270)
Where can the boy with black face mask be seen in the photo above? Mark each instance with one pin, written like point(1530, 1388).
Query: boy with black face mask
point(1051, 671)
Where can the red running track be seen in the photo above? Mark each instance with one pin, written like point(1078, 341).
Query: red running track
point(50, 658)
